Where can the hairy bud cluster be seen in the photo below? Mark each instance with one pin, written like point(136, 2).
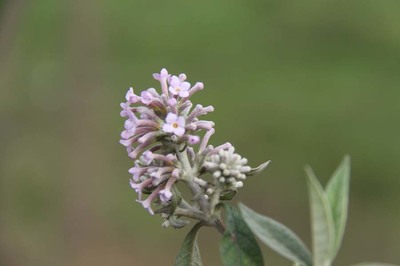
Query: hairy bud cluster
point(227, 168)
point(160, 134)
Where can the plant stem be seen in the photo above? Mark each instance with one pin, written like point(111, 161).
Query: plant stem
point(191, 173)
point(220, 226)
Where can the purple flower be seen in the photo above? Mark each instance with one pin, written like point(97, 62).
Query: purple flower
point(147, 203)
point(163, 75)
point(147, 97)
point(131, 97)
point(155, 123)
point(174, 124)
point(126, 134)
point(147, 157)
point(126, 110)
point(162, 78)
point(137, 171)
point(166, 194)
point(179, 87)
point(138, 187)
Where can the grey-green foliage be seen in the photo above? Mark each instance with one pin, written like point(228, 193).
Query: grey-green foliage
point(322, 225)
point(238, 246)
point(337, 190)
point(328, 212)
point(277, 236)
point(328, 221)
point(189, 254)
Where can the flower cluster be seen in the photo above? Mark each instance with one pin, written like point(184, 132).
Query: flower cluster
point(228, 169)
point(159, 134)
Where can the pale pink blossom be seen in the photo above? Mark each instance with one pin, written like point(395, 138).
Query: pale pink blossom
point(179, 87)
point(174, 124)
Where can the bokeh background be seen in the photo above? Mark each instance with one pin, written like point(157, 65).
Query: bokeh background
point(297, 82)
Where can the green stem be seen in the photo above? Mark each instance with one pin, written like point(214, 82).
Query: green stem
point(191, 173)
point(215, 199)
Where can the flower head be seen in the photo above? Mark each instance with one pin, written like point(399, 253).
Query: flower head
point(159, 133)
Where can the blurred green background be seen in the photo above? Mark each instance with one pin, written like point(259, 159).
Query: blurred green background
point(297, 82)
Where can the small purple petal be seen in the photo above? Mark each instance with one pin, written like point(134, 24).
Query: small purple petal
point(126, 134)
point(174, 81)
point(185, 85)
point(126, 142)
point(168, 128)
point(147, 157)
point(129, 124)
point(180, 131)
point(171, 118)
point(147, 97)
point(131, 97)
point(183, 93)
point(181, 121)
point(165, 195)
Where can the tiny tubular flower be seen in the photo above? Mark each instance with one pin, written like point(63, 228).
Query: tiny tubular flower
point(137, 171)
point(131, 97)
point(138, 187)
point(166, 194)
point(174, 124)
point(147, 97)
point(147, 157)
point(147, 203)
point(179, 87)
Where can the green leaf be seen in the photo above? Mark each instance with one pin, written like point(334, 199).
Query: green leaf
point(373, 264)
point(277, 236)
point(322, 225)
point(337, 190)
point(238, 246)
point(189, 254)
point(258, 169)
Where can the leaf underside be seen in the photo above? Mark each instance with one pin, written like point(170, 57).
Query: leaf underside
point(277, 236)
point(238, 246)
point(337, 191)
point(189, 254)
point(322, 225)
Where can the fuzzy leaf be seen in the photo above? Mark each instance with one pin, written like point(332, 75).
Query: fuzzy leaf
point(189, 254)
point(258, 169)
point(238, 246)
point(322, 226)
point(337, 190)
point(277, 236)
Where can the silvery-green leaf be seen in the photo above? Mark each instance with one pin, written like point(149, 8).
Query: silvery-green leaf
point(175, 222)
point(337, 190)
point(258, 169)
point(189, 254)
point(322, 226)
point(238, 246)
point(277, 236)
